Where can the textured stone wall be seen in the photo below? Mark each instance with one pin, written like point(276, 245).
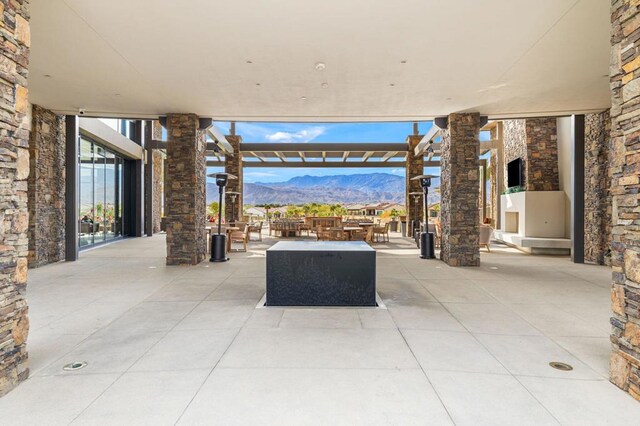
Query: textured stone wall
point(46, 187)
point(14, 171)
point(185, 203)
point(233, 165)
point(625, 190)
point(460, 188)
point(534, 140)
point(597, 183)
point(542, 155)
point(493, 178)
point(158, 188)
point(415, 167)
point(515, 144)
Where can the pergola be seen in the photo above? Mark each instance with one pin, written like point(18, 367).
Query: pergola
point(417, 152)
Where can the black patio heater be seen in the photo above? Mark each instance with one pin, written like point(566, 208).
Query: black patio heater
point(427, 250)
point(219, 240)
point(233, 195)
point(415, 223)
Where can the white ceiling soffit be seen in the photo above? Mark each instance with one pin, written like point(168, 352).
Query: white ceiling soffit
point(146, 58)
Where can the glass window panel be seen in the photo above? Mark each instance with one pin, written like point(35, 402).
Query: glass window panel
point(100, 188)
point(99, 193)
point(110, 196)
point(85, 213)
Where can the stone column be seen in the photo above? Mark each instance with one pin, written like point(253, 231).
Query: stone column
point(597, 183)
point(233, 165)
point(14, 216)
point(535, 140)
point(625, 173)
point(460, 191)
point(46, 193)
point(157, 188)
point(185, 207)
point(415, 167)
point(493, 178)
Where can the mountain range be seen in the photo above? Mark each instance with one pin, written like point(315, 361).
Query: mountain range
point(357, 188)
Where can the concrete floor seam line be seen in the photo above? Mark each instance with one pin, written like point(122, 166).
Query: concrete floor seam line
point(129, 367)
point(210, 372)
point(426, 376)
point(509, 371)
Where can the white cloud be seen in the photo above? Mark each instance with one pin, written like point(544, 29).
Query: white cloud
point(398, 171)
point(260, 174)
point(304, 135)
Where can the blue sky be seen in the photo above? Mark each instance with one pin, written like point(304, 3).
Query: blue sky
point(319, 132)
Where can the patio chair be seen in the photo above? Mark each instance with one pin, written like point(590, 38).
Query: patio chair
point(239, 237)
point(486, 233)
point(381, 231)
point(360, 235)
point(241, 225)
point(256, 229)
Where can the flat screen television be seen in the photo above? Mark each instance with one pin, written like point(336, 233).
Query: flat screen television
point(514, 173)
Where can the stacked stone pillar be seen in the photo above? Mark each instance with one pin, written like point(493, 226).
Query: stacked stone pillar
point(625, 190)
point(493, 178)
point(14, 216)
point(186, 201)
point(460, 190)
point(597, 184)
point(415, 167)
point(158, 181)
point(157, 186)
point(46, 194)
point(233, 165)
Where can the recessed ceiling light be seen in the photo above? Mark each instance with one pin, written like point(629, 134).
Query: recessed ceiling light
point(404, 61)
point(320, 66)
point(392, 84)
point(304, 98)
point(47, 75)
point(257, 84)
point(116, 94)
point(249, 62)
point(324, 85)
point(448, 99)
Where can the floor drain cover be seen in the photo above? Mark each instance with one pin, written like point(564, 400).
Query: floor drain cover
point(75, 366)
point(561, 366)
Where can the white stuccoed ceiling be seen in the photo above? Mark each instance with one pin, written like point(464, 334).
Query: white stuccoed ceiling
point(144, 58)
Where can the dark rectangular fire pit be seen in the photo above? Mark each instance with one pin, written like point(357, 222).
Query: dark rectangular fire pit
point(321, 273)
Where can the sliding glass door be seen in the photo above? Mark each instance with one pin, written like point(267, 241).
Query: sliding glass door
point(100, 206)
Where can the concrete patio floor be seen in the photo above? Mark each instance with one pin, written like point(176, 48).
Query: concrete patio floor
point(187, 345)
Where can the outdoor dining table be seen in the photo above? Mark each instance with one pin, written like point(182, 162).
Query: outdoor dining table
point(349, 230)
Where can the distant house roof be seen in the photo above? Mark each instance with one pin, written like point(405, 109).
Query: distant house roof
point(354, 207)
point(258, 211)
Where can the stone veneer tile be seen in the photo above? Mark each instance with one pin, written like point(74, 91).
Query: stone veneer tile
point(415, 167)
point(535, 141)
point(625, 190)
point(232, 165)
point(158, 188)
point(14, 156)
point(460, 191)
point(186, 199)
point(46, 194)
point(597, 183)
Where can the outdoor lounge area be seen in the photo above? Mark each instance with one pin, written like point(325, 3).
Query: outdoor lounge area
point(465, 346)
point(328, 213)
